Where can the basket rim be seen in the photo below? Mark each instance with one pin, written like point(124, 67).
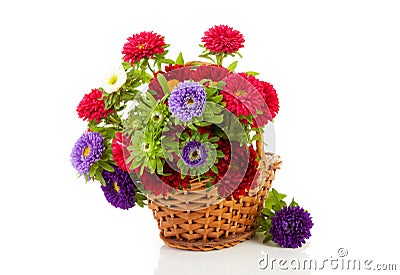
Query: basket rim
point(199, 196)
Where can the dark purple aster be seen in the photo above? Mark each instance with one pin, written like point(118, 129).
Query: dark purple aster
point(194, 153)
point(291, 227)
point(87, 150)
point(187, 99)
point(119, 189)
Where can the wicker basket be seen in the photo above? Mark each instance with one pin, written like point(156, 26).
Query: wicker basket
point(217, 224)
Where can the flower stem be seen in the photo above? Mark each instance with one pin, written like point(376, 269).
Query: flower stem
point(114, 119)
point(220, 58)
point(151, 69)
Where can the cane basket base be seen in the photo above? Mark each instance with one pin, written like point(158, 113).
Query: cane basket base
point(218, 226)
point(200, 245)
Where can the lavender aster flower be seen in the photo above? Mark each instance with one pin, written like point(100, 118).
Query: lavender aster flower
point(187, 100)
point(119, 189)
point(194, 153)
point(87, 150)
point(291, 226)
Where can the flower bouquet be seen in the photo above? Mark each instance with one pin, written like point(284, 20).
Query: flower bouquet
point(185, 138)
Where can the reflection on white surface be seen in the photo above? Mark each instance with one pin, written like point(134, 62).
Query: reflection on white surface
point(243, 258)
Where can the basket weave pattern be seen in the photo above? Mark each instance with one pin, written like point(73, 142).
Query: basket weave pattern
point(220, 225)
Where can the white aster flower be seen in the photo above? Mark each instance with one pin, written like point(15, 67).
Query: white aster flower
point(114, 80)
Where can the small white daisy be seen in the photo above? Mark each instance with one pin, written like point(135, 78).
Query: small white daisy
point(114, 80)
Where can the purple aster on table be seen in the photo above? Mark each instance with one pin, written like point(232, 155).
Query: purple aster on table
point(290, 226)
point(87, 150)
point(119, 189)
point(187, 100)
point(194, 154)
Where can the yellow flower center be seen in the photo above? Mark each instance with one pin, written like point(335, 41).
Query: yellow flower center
point(86, 152)
point(145, 146)
point(113, 79)
point(194, 155)
point(241, 93)
point(116, 187)
point(190, 101)
point(140, 46)
point(156, 117)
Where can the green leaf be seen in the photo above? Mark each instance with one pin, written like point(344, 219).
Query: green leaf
point(126, 65)
point(267, 238)
point(140, 198)
point(252, 73)
point(100, 178)
point(194, 128)
point(268, 212)
point(92, 171)
point(220, 154)
point(159, 166)
point(167, 61)
point(213, 139)
point(179, 59)
point(293, 203)
point(217, 99)
point(106, 166)
point(256, 137)
point(184, 171)
point(275, 200)
point(163, 82)
point(207, 57)
point(153, 164)
point(136, 163)
point(233, 66)
point(217, 119)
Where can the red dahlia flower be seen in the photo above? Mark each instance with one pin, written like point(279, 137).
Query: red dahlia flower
point(171, 67)
point(213, 72)
point(120, 151)
point(222, 39)
point(141, 45)
point(153, 183)
point(92, 107)
point(166, 183)
point(240, 96)
point(174, 178)
point(271, 98)
point(250, 176)
point(259, 119)
point(229, 185)
point(267, 92)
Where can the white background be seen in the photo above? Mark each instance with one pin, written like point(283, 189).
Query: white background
point(335, 65)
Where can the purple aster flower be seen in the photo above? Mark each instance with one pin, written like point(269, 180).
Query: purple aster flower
point(187, 99)
point(194, 153)
point(291, 226)
point(87, 150)
point(119, 189)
